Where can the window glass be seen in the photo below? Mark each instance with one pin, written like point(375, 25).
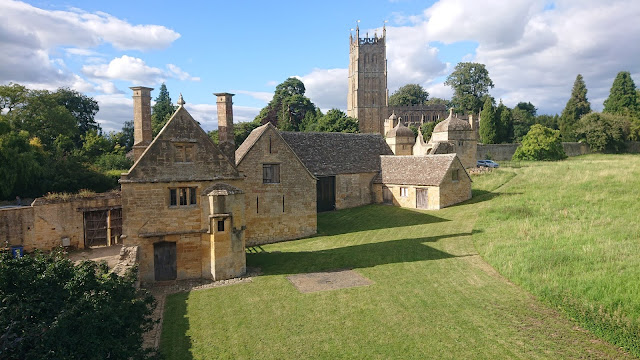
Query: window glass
point(220, 225)
point(173, 197)
point(192, 196)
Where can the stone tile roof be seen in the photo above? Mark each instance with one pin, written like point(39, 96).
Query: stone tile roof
point(222, 189)
point(400, 131)
point(443, 147)
point(429, 170)
point(243, 149)
point(452, 123)
point(326, 154)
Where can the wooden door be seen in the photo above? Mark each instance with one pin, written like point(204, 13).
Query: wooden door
point(422, 199)
point(326, 189)
point(95, 228)
point(164, 261)
point(387, 196)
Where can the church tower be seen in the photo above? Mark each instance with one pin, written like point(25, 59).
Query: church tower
point(368, 94)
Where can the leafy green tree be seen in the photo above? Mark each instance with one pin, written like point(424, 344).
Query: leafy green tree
point(522, 122)
point(427, 129)
point(337, 121)
point(439, 101)
point(550, 121)
point(94, 145)
point(488, 123)
point(528, 107)
point(53, 309)
point(288, 108)
point(410, 94)
point(12, 95)
point(540, 143)
point(576, 107)
point(470, 83)
point(162, 110)
point(604, 132)
point(81, 107)
point(623, 97)
point(22, 162)
point(504, 122)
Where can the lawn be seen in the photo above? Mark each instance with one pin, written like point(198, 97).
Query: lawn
point(432, 295)
point(569, 233)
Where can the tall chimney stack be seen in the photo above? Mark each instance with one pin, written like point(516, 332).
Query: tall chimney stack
point(226, 142)
point(142, 132)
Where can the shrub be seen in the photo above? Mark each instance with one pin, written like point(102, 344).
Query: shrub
point(540, 143)
point(604, 132)
point(53, 309)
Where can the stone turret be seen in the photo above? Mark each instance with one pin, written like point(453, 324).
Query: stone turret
point(226, 142)
point(142, 131)
point(400, 139)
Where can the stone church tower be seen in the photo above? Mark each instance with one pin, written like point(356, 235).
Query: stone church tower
point(368, 94)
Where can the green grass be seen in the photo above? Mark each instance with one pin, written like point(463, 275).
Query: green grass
point(432, 297)
point(568, 232)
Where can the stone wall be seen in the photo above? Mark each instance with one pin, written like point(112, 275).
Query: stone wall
point(280, 211)
point(354, 190)
point(497, 152)
point(44, 224)
point(454, 192)
point(576, 148)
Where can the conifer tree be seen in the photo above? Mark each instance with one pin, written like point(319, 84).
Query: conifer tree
point(576, 107)
point(623, 97)
point(162, 110)
point(505, 128)
point(488, 123)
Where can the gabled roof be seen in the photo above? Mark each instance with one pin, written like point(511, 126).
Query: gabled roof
point(428, 170)
point(248, 143)
point(157, 163)
point(326, 154)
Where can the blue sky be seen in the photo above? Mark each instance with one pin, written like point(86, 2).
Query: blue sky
point(533, 49)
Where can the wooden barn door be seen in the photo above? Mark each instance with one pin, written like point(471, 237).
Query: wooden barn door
point(164, 261)
point(95, 228)
point(326, 188)
point(422, 199)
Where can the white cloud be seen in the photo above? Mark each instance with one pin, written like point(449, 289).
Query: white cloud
point(180, 74)
point(134, 70)
point(260, 95)
point(327, 88)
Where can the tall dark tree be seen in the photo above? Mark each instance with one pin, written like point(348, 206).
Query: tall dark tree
point(289, 108)
point(505, 124)
point(410, 94)
point(470, 83)
point(162, 110)
point(488, 123)
point(623, 97)
point(522, 122)
point(576, 107)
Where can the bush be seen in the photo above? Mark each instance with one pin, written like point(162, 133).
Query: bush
point(53, 309)
point(540, 143)
point(604, 132)
point(113, 161)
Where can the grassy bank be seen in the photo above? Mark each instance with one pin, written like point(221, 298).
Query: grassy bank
point(569, 232)
point(432, 297)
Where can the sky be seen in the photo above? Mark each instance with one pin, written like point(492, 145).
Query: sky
point(533, 49)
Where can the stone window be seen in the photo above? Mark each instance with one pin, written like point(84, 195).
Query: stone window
point(183, 196)
point(455, 174)
point(404, 192)
point(184, 152)
point(271, 173)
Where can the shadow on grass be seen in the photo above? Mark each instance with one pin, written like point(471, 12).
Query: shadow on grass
point(351, 257)
point(371, 217)
point(175, 343)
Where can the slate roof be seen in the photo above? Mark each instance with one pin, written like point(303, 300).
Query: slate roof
point(452, 123)
point(429, 170)
point(326, 154)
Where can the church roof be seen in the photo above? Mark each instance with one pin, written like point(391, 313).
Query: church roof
point(326, 154)
point(428, 170)
point(400, 131)
point(452, 123)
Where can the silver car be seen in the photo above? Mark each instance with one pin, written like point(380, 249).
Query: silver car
point(487, 163)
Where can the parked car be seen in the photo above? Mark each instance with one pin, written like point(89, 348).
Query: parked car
point(487, 163)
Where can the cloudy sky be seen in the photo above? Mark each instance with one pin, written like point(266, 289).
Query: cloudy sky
point(532, 49)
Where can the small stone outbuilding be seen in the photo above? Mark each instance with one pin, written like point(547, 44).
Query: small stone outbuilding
point(427, 182)
point(452, 135)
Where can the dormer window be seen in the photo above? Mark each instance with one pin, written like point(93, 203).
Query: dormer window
point(184, 153)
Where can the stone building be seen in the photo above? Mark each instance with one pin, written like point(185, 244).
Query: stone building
point(344, 164)
point(280, 192)
point(368, 96)
point(452, 135)
point(182, 205)
point(400, 138)
point(422, 182)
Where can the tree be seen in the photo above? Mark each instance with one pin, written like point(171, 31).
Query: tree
point(81, 107)
point(162, 110)
point(427, 129)
point(550, 121)
point(470, 83)
point(53, 309)
point(504, 124)
point(289, 109)
point(540, 143)
point(12, 95)
point(439, 101)
point(576, 107)
point(410, 94)
point(604, 132)
point(337, 121)
point(623, 97)
point(488, 123)
point(522, 122)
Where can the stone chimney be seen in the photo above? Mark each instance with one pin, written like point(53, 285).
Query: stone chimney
point(471, 122)
point(226, 142)
point(142, 132)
